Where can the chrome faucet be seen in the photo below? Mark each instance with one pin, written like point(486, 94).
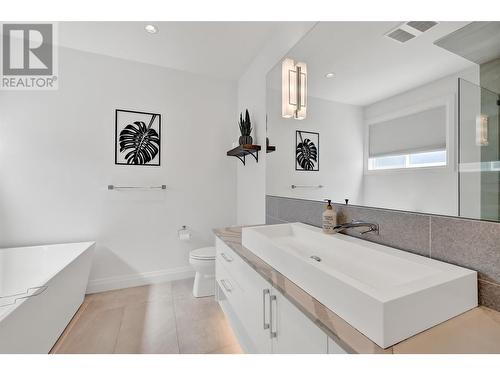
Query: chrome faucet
point(357, 224)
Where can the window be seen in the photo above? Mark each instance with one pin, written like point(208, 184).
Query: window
point(413, 160)
point(427, 159)
point(414, 140)
point(388, 162)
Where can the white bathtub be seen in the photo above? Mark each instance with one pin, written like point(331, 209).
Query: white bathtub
point(41, 288)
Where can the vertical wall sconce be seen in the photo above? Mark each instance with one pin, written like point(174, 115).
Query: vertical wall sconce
point(294, 89)
point(482, 130)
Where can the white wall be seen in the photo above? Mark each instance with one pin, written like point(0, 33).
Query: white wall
point(432, 190)
point(251, 185)
point(340, 128)
point(57, 157)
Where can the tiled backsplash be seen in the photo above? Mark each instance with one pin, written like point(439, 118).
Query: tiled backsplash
point(468, 243)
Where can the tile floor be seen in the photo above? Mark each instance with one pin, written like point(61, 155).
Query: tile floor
point(163, 318)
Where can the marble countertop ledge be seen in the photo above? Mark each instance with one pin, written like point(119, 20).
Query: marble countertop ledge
point(475, 331)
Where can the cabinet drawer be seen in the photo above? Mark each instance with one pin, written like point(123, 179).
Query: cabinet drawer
point(250, 301)
point(231, 261)
point(229, 286)
point(227, 256)
point(247, 277)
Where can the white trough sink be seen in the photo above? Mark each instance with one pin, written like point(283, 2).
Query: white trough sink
point(385, 293)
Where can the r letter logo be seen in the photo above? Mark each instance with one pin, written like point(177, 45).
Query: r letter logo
point(28, 57)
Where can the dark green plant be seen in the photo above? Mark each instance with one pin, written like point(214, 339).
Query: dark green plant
point(245, 125)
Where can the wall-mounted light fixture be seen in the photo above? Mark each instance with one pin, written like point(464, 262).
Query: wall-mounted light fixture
point(482, 130)
point(294, 89)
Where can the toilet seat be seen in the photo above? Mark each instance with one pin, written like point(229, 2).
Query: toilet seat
point(204, 253)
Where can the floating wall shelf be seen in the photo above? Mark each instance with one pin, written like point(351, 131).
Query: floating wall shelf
point(243, 150)
point(270, 149)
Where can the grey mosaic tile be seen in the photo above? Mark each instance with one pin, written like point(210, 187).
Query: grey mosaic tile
point(468, 243)
point(270, 220)
point(292, 210)
point(272, 204)
point(489, 294)
point(402, 230)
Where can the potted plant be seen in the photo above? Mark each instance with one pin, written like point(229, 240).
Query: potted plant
point(245, 129)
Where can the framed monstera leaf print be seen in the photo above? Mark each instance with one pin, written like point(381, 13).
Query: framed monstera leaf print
point(137, 138)
point(306, 151)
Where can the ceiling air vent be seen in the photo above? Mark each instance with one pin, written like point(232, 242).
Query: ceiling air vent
point(400, 35)
point(422, 26)
point(409, 30)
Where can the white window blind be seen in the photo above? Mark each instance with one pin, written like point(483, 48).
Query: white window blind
point(418, 132)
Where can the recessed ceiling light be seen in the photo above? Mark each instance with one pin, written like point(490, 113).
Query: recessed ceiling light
point(152, 29)
point(330, 75)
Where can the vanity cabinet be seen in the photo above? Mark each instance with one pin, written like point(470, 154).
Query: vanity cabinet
point(295, 333)
point(269, 321)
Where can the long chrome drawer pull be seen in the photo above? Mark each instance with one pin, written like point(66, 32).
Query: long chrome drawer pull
point(226, 258)
point(225, 285)
point(272, 333)
point(264, 293)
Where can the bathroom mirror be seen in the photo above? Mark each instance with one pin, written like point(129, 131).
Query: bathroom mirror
point(397, 115)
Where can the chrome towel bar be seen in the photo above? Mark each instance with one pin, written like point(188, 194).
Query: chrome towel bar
point(115, 187)
point(306, 186)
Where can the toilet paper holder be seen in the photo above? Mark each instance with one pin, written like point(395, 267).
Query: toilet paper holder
point(183, 233)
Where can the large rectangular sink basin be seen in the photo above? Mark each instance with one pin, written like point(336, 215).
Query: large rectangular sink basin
point(385, 293)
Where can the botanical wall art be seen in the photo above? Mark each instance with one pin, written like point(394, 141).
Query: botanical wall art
point(306, 151)
point(137, 138)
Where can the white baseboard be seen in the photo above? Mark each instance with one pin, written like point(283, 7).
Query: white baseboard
point(138, 279)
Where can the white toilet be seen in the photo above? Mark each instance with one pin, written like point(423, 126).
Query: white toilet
point(203, 262)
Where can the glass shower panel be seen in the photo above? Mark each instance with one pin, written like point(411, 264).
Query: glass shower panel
point(479, 144)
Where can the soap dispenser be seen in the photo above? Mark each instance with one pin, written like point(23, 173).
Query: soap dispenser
point(329, 218)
